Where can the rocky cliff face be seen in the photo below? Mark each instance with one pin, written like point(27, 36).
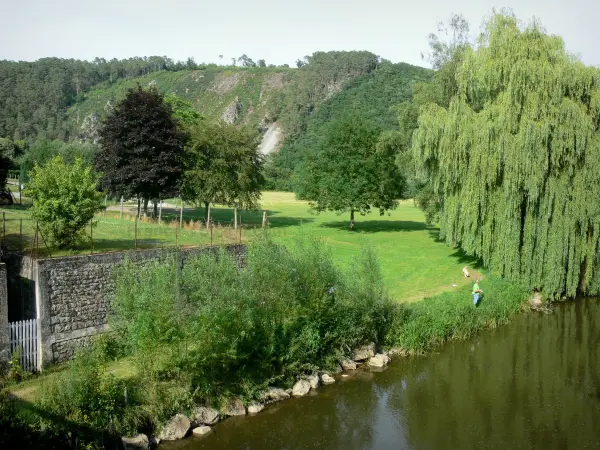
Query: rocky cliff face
point(89, 130)
point(232, 112)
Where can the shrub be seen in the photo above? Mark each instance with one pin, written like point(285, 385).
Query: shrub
point(226, 331)
point(64, 199)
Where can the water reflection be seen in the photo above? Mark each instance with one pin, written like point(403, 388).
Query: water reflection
point(534, 384)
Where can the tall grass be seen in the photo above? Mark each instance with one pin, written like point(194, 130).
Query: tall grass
point(230, 332)
point(424, 326)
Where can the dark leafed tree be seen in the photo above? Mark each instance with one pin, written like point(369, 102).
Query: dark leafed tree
point(142, 147)
point(349, 172)
point(515, 158)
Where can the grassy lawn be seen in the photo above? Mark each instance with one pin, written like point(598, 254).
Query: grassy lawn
point(413, 262)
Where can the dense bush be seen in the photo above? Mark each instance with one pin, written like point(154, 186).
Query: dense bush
point(64, 199)
point(291, 311)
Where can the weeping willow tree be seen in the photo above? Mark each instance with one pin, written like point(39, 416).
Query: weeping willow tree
point(515, 159)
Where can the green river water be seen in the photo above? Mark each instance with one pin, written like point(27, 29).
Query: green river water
point(534, 384)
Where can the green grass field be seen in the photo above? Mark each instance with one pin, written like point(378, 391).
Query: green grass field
point(413, 262)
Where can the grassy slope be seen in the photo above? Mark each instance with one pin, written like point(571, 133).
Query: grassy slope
point(210, 90)
point(413, 262)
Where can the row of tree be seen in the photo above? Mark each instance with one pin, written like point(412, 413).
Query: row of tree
point(150, 149)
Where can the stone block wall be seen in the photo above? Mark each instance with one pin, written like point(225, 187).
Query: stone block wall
point(4, 331)
point(73, 294)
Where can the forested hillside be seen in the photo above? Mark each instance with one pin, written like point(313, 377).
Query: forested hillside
point(34, 96)
point(373, 96)
point(66, 100)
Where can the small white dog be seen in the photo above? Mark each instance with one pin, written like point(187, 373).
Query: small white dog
point(466, 272)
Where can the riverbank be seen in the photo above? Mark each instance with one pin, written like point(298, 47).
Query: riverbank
point(115, 390)
point(208, 335)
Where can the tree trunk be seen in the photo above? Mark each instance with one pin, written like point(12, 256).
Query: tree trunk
point(264, 221)
point(160, 210)
point(139, 209)
point(352, 218)
point(207, 212)
point(146, 207)
point(235, 216)
point(155, 203)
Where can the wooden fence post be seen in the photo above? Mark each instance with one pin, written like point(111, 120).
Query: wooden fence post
point(135, 233)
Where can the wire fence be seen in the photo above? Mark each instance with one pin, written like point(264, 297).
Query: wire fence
point(113, 231)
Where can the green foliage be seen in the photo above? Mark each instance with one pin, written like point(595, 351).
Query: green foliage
point(349, 172)
point(373, 96)
point(224, 165)
point(142, 147)
point(424, 326)
point(87, 394)
point(513, 157)
point(35, 95)
point(42, 151)
point(228, 332)
point(64, 199)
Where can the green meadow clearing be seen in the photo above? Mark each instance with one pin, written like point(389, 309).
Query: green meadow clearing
point(413, 262)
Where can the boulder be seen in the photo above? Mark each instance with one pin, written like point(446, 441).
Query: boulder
point(301, 388)
point(326, 378)
point(205, 416)
point(255, 408)
point(154, 441)
point(379, 360)
point(201, 431)
point(136, 442)
point(348, 364)
point(313, 380)
point(273, 394)
point(176, 428)
point(234, 407)
point(364, 352)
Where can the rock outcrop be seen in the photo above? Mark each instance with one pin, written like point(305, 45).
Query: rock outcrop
point(234, 407)
point(139, 442)
point(175, 429)
point(273, 394)
point(205, 416)
point(232, 112)
point(364, 352)
point(201, 431)
point(301, 388)
point(379, 360)
point(348, 364)
point(326, 378)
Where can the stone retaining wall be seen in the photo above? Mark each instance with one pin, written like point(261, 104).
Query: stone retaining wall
point(73, 294)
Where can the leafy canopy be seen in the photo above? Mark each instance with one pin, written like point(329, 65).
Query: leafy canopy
point(64, 199)
point(348, 171)
point(515, 159)
point(224, 165)
point(142, 147)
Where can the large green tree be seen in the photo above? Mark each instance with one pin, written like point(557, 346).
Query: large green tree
point(349, 172)
point(223, 165)
point(515, 159)
point(64, 199)
point(142, 147)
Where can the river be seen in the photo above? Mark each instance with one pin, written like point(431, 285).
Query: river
point(534, 384)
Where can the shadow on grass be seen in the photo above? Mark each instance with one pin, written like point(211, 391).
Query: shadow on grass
point(63, 433)
point(225, 216)
point(377, 226)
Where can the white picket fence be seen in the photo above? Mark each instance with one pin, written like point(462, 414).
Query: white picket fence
point(23, 336)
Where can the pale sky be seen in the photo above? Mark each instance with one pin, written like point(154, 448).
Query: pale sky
point(277, 31)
